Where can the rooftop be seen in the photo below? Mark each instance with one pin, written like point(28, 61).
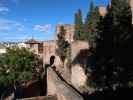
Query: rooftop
point(32, 41)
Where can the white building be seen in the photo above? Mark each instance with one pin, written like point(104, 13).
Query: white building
point(22, 45)
point(2, 49)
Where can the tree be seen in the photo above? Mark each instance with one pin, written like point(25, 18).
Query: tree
point(63, 45)
point(102, 68)
point(91, 23)
point(78, 26)
point(123, 36)
point(111, 64)
point(17, 65)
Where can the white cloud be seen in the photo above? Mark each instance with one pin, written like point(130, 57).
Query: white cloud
point(43, 28)
point(8, 25)
point(4, 10)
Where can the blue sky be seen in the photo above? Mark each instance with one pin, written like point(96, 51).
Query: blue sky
point(24, 19)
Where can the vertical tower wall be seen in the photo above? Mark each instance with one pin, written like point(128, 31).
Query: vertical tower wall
point(69, 31)
point(131, 5)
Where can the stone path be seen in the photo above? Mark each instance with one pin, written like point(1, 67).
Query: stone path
point(41, 98)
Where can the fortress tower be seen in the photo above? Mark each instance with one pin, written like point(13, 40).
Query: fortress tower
point(131, 5)
point(49, 47)
point(69, 31)
point(102, 10)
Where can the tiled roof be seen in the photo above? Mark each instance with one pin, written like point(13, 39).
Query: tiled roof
point(32, 41)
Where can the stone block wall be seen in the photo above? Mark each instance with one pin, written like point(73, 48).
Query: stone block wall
point(78, 77)
point(79, 52)
point(76, 47)
point(49, 49)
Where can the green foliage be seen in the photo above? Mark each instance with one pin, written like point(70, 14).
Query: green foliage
point(78, 26)
point(63, 45)
point(123, 38)
point(91, 23)
point(111, 63)
point(86, 30)
point(17, 65)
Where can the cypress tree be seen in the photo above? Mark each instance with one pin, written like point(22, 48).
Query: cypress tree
point(123, 37)
point(78, 25)
point(112, 64)
point(63, 45)
point(91, 23)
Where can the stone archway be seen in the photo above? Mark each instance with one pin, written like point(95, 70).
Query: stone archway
point(52, 60)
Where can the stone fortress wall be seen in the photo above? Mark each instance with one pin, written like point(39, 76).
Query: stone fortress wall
point(61, 89)
point(79, 51)
point(76, 48)
point(69, 31)
point(49, 49)
point(131, 5)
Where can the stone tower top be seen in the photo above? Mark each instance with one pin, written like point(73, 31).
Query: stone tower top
point(102, 11)
point(69, 31)
point(131, 5)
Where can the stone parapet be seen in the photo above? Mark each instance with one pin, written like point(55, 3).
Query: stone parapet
point(56, 86)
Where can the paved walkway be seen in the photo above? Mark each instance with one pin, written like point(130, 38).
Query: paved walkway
point(41, 98)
